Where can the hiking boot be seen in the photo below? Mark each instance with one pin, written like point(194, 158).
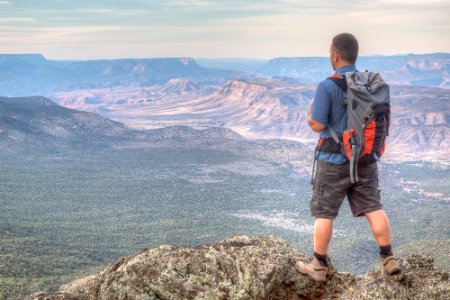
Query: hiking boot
point(389, 265)
point(314, 269)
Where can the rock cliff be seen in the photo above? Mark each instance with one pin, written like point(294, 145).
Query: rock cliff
point(242, 267)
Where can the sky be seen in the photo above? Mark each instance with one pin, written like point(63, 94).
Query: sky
point(81, 29)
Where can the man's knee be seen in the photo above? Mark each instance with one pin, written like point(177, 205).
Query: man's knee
point(323, 224)
point(372, 212)
point(376, 213)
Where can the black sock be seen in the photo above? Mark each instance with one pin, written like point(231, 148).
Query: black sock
point(385, 250)
point(322, 259)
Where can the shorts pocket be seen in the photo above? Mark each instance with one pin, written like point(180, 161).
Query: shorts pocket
point(317, 188)
point(317, 195)
point(378, 191)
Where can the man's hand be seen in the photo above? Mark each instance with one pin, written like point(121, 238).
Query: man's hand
point(316, 126)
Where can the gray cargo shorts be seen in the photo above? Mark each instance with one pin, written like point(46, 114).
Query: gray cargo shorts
point(332, 183)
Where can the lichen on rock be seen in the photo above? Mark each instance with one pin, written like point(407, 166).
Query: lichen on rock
point(242, 267)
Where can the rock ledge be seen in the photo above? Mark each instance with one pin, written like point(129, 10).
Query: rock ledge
point(242, 267)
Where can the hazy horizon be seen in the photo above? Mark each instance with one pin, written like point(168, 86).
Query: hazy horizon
point(218, 58)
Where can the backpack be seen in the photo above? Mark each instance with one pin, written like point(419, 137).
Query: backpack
point(367, 102)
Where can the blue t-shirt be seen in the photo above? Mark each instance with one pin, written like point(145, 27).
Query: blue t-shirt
point(328, 109)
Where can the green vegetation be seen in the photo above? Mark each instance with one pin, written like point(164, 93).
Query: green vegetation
point(67, 214)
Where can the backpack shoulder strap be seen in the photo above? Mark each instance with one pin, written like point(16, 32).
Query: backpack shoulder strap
point(333, 135)
point(340, 81)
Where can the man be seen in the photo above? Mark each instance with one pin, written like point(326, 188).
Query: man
point(332, 180)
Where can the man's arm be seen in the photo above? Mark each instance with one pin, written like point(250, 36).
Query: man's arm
point(316, 126)
point(319, 109)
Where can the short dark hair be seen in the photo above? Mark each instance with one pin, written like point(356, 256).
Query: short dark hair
point(347, 46)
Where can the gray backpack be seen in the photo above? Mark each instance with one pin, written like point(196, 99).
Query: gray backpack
point(368, 111)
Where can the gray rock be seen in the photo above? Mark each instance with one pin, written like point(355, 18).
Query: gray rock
point(242, 267)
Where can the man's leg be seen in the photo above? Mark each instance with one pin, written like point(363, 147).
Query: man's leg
point(364, 199)
point(379, 224)
point(329, 189)
point(323, 229)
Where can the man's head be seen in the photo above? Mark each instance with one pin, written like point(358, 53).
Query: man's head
point(343, 50)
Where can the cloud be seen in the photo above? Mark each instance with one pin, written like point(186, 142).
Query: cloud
point(414, 2)
point(4, 2)
point(95, 10)
point(9, 20)
point(192, 3)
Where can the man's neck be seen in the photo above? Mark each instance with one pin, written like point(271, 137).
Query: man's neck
point(343, 64)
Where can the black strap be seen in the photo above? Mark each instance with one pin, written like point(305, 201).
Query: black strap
point(340, 82)
point(316, 152)
point(329, 145)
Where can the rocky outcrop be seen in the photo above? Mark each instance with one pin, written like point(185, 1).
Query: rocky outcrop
point(243, 267)
point(179, 85)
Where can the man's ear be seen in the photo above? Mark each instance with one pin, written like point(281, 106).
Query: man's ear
point(336, 57)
